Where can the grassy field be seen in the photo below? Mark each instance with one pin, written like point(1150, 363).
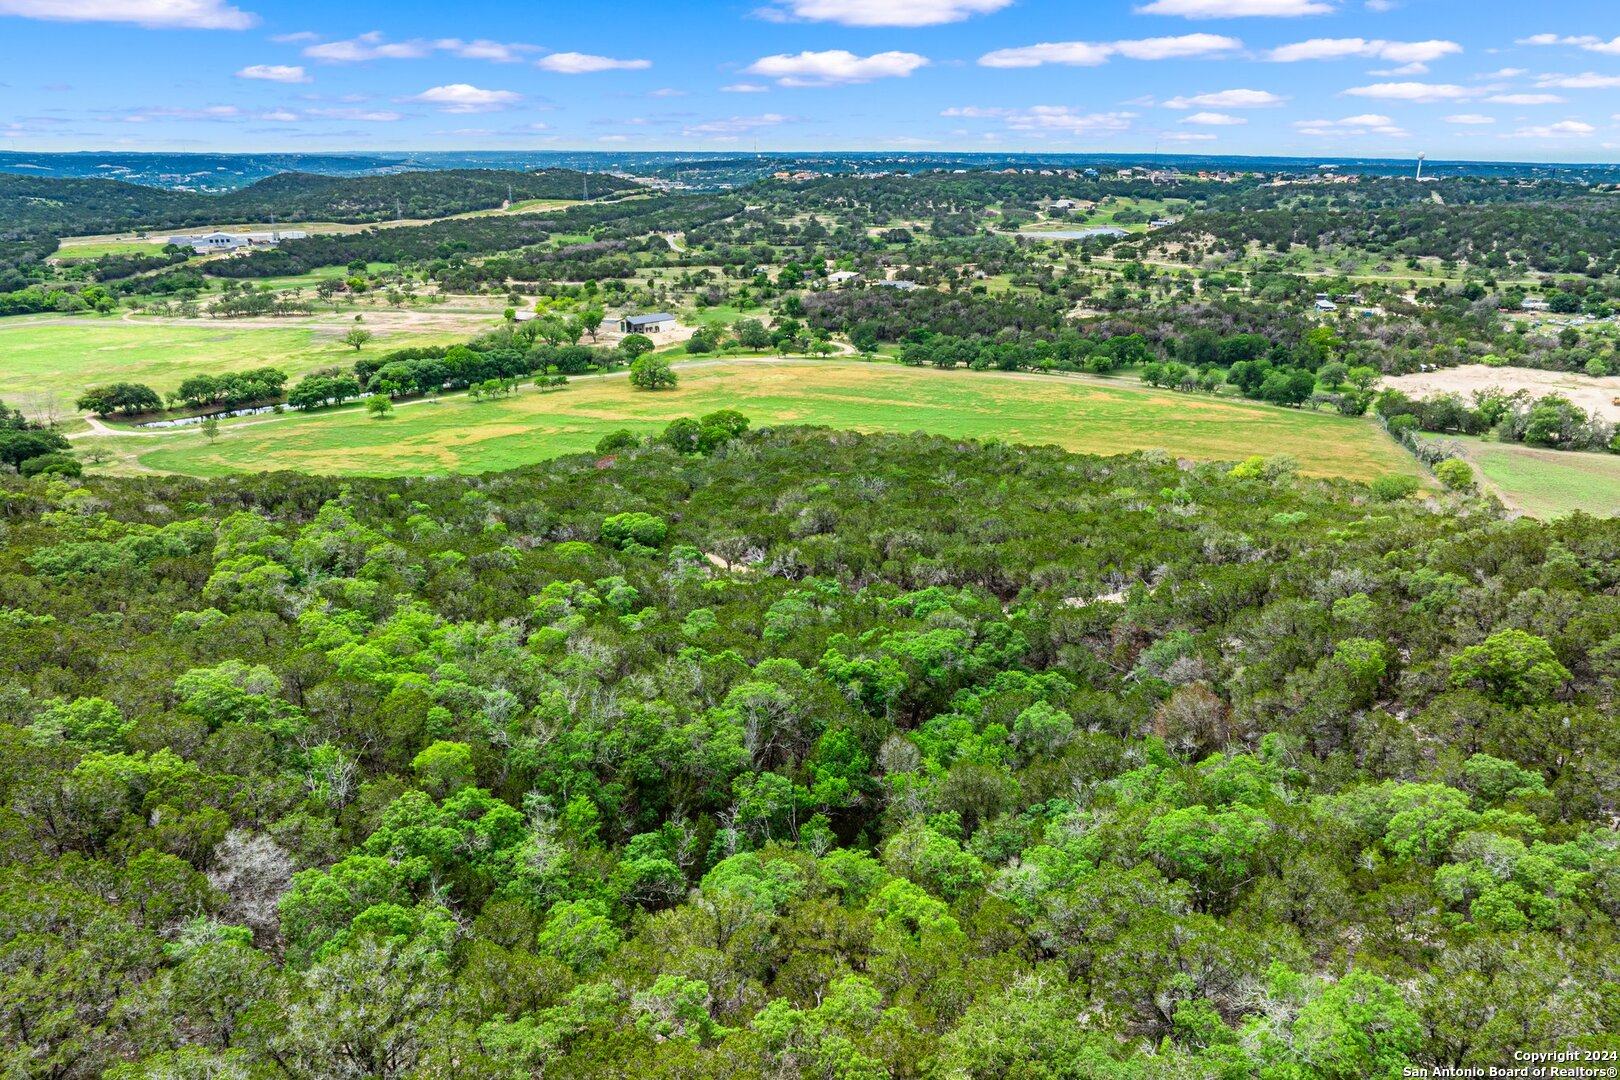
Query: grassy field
point(94, 249)
point(67, 354)
point(457, 434)
point(1548, 483)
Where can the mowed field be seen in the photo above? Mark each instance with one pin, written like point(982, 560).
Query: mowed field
point(66, 354)
point(460, 435)
point(1548, 483)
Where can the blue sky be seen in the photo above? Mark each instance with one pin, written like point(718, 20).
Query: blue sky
point(1451, 78)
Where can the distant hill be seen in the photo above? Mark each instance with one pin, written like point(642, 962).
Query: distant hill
point(33, 206)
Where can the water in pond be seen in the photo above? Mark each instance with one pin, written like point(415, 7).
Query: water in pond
point(192, 421)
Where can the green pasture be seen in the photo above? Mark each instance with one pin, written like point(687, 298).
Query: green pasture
point(1548, 483)
point(460, 435)
point(65, 354)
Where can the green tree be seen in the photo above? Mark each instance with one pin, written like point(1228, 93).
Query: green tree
point(652, 373)
point(1513, 666)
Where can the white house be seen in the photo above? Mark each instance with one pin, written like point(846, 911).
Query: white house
point(1326, 305)
point(1534, 303)
point(839, 277)
point(656, 323)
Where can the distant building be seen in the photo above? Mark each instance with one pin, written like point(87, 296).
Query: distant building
point(903, 286)
point(656, 323)
point(1326, 305)
point(839, 277)
point(207, 243)
point(1534, 303)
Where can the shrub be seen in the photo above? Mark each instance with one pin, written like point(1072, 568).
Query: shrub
point(1455, 474)
point(1394, 488)
point(636, 527)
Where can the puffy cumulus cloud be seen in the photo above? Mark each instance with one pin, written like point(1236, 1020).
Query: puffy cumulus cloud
point(281, 73)
point(880, 12)
point(1213, 119)
point(1364, 124)
point(1236, 9)
point(1415, 55)
point(1582, 41)
point(835, 66)
point(1420, 93)
point(1525, 99)
point(1589, 80)
point(745, 88)
point(1563, 129)
point(465, 98)
point(573, 63)
point(155, 14)
point(1227, 99)
point(1093, 53)
point(733, 126)
point(1469, 118)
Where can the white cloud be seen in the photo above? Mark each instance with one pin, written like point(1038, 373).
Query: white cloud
point(880, 12)
point(368, 116)
point(573, 63)
point(1564, 129)
point(1187, 136)
point(279, 116)
point(835, 66)
point(745, 88)
point(1213, 119)
point(1062, 118)
point(1072, 53)
point(1400, 52)
point(1418, 92)
point(1503, 73)
point(369, 46)
point(737, 125)
point(1583, 41)
point(1092, 53)
point(1590, 80)
point(166, 112)
point(1469, 118)
point(1232, 9)
point(464, 98)
point(667, 92)
point(188, 14)
point(1040, 119)
point(373, 46)
point(274, 73)
point(1363, 124)
point(1227, 99)
point(1525, 99)
point(484, 49)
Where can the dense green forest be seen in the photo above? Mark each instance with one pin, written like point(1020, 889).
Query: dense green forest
point(34, 210)
point(816, 755)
